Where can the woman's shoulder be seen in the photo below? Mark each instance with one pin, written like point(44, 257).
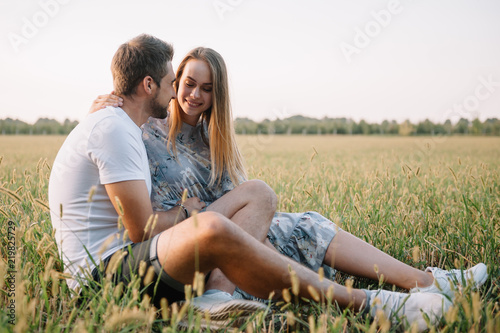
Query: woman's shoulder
point(155, 126)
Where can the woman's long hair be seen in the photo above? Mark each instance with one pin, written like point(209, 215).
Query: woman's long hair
point(224, 153)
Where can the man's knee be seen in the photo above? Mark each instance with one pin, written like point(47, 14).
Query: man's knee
point(260, 189)
point(212, 227)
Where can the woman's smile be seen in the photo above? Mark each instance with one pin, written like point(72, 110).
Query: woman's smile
point(195, 91)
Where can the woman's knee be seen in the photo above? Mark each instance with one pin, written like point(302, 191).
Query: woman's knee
point(262, 192)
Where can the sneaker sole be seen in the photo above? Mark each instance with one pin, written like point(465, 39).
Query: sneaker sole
point(233, 313)
point(234, 307)
point(217, 324)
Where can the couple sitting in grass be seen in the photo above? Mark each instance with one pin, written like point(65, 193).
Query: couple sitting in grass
point(139, 159)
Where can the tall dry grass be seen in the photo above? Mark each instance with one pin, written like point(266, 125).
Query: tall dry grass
point(425, 201)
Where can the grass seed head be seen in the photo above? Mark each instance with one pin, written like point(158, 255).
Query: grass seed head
point(314, 293)
point(164, 308)
point(295, 283)
point(312, 324)
point(149, 275)
point(146, 301)
point(117, 293)
point(199, 283)
point(148, 224)
point(184, 196)
point(105, 245)
point(290, 318)
point(476, 307)
point(142, 268)
point(330, 293)
point(155, 222)
point(91, 193)
point(188, 291)
point(119, 205)
point(321, 273)
point(452, 314)
point(55, 283)
point(286, 295)
point(348, 285)
point(416, 253)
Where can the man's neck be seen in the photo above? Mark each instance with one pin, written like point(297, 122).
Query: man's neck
point(135, 109)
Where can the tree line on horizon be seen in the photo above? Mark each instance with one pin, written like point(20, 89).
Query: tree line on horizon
point(345, 126)
point(42, 126)
point(294, 125)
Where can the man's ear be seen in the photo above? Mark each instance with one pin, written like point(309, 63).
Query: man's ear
point(148, 85)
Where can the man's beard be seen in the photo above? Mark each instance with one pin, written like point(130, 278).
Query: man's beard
point(157, 110)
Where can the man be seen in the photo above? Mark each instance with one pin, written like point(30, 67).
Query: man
point(101, 177)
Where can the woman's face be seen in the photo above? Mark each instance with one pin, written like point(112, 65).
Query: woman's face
point(195, 91)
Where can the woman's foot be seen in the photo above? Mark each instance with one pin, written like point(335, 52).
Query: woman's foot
point(408, 309)
point(446, 282)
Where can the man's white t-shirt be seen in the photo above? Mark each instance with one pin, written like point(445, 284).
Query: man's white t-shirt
point(105, 148)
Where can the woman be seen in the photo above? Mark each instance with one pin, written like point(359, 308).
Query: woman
point(194, 149)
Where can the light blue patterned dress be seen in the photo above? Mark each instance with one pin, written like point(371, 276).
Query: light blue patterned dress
point(303, 237)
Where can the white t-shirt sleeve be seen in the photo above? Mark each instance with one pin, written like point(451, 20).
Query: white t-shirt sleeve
point(117, 152)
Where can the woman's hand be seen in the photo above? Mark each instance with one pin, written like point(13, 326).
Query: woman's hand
point(103, 101)
point(193, 203)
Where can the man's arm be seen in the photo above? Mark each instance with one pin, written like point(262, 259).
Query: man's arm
point(136, 207)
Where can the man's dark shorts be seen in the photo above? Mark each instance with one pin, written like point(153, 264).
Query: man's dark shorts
point(161, 285)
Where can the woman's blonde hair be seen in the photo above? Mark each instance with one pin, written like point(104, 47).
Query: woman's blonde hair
point(224, 153)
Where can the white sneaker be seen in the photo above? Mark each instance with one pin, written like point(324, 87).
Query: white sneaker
point(409, 308)
point(222, 309)
point(444, 280)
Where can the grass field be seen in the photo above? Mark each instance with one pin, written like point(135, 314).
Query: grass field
point(426, 201)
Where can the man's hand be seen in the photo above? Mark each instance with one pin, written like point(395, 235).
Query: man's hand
point(193, 203)
point(133, 201)
point(103, 101)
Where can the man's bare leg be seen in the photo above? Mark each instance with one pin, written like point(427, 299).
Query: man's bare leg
point(222, 244)
point(354, 256)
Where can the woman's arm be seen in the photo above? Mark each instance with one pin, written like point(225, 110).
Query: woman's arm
point(103, 101)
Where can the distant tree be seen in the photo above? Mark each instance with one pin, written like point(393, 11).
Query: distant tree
point(364, 127)
point(462, 127)
point(492, 126)
point(406, 128)
point(439, 129)
point(425, 127)
point(245, 126)
point(448, 127)
point(393, 128)
point(477, 127)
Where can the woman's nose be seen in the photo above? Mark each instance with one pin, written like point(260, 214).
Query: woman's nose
point(195, 92)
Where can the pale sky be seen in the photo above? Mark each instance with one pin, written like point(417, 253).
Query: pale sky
point(366, 59)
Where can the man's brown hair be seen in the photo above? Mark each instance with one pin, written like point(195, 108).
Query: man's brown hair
point(134, 60)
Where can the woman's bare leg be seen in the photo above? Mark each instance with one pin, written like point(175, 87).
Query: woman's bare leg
point(354, 256)
point(251, 206)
